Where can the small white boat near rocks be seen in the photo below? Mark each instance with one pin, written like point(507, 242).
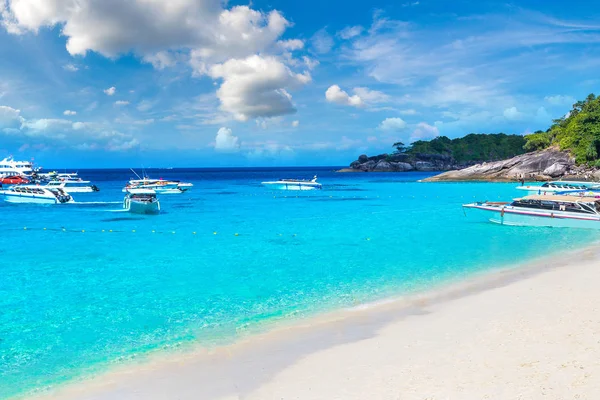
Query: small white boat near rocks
point(294, 184)
point(141, 201)
point(560, 187)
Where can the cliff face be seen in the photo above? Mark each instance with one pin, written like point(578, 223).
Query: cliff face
point(539, 165)
point(403, 163)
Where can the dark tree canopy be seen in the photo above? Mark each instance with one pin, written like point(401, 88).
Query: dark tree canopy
point(473, 147)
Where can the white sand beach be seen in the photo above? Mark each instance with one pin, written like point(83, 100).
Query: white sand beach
point(526, 333)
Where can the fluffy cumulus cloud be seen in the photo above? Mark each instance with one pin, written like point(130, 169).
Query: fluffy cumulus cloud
point(225, 141)
point(362, 96)
point(10, 119)
point(70, 112)
point(392, 125)
point(335, 94)
point(110, 91)
point(256, 86)
point(121, 103)
point(424, 131)
point(53, 131)
point(512, 114)
point(295, 124)
point(232, 45)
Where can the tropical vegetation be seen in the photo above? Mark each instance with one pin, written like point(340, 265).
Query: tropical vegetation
point(471, 148)
point(577, 132)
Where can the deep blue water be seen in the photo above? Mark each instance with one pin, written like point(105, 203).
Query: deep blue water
point(98, 287)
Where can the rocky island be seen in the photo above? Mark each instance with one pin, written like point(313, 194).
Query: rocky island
point(569, 149)
point(442, 154)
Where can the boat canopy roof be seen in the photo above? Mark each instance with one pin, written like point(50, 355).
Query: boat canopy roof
point(575, 183)
point(561, 198)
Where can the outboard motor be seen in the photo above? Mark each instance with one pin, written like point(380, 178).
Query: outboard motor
point(95, 188)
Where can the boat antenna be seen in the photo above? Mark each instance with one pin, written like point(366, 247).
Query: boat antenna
point(132, 170)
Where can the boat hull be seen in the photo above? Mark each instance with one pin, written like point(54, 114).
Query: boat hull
point(513, 217)
point(291, 186)
point(31, 199)
point(138, 207)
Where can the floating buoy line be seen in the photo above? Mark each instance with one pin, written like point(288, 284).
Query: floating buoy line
point(150, 232)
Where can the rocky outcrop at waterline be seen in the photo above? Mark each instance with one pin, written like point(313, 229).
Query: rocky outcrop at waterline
point(535, 166)
point(402, 162)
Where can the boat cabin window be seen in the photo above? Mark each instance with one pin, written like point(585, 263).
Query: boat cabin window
point(557, 206)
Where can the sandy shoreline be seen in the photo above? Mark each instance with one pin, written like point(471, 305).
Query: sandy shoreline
point(524, 333)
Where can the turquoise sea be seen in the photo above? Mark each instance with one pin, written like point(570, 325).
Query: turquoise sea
point(84, 288)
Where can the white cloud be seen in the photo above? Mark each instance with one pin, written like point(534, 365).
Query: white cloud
point(256, 87)
point(291, 44)
point(70, 67)
point(392, 125)
point(309, 62)
point(512, 113)
point(228, 43)
point(335, 94)
point(362, 96)
point(121, 103)
point(269, 149)
point(145, 105)
point(322, 42)
point(409, 111)
point(144, 121)
point(370, 96)
point(110, 91)
point(50, 132)
point(160, 60)
point(350, 31)
point(10, 118)
point(559, 100)
point(295, 124)
point(159, 25)
point(424, 131)
point(225, 141)
point(70, 112)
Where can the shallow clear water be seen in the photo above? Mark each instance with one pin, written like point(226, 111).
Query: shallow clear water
point(227, 257)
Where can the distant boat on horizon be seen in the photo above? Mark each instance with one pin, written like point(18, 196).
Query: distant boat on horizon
point(294, 184)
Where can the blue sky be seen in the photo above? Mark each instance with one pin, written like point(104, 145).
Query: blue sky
point(115, 83)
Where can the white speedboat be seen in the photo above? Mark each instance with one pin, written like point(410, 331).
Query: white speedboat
point(141, 201)
point(560, 186)
point(36, 194)
point(9, 166)
point(160, 186)
point(542, 210)
point(73, 186)
point(294, 184)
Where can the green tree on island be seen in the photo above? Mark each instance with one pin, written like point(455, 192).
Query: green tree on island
point(577, 132)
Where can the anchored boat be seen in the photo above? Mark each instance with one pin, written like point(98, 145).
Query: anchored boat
point(73, 186)
point(36, 195)
point(160, 186)
point(141, 201)
point(560, 186)
point(294, 184)
point(542, 210)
